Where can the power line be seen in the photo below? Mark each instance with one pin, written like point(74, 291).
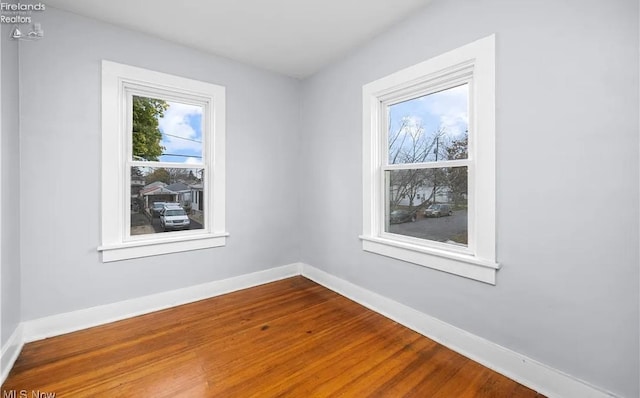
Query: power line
point(182, 138)
point(183, 156)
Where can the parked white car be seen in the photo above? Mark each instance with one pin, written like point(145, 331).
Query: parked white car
point(173, 217)
point(438, 210)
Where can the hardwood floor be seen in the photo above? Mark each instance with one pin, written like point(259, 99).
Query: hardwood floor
point(291, 338)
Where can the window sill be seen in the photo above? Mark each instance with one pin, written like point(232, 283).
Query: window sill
point(465, 265)
point(146, 248)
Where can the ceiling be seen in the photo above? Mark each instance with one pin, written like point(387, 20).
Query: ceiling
point(292, 37)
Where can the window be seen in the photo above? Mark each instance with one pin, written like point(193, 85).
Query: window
point(429, 163)
point(163, 180)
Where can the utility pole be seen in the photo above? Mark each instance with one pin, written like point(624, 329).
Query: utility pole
point(435, 175)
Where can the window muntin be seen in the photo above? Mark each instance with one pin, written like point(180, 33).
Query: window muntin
point(422, 129)
point(192, 126)
point(424, 133)
point(153, 188)
point(165, 137)
point(166, 131)
point(463, 154)
point(414, 191)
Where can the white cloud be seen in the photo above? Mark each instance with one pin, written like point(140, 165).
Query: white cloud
point(451, 108)
point(182, 135)
point(191, 160)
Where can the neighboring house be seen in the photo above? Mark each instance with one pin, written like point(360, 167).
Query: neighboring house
point(137, 184)
point(157, 192)
point(182, 190)
point(423, 193)
point(154, 184)
point(197, 196)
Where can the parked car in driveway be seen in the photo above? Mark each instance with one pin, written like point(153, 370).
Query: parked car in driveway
point(400, 216)
point(173, 217)
point(156, 208)
point(438, 210)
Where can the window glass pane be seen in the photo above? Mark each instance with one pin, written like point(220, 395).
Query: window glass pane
point(166, 199)
point(430, 128)
point(166, 131)
point(428, 204)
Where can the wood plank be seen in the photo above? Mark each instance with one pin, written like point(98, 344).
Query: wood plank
point(291, 338)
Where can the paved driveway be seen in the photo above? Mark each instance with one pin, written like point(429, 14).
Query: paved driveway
point(155, 222)
point(140, 224)
point(439, 229)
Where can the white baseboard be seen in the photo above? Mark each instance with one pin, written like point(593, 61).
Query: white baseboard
point(55, 325)
point(531, 373)
point(9, 353)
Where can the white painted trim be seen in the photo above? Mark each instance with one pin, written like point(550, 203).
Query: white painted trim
point(529, 372)
point(55, 325)
point(443, 260)
point(10, 351)
point(538, 376)
point(181, 243)
point(473, 64)
point(119, 81)
point(1, 248)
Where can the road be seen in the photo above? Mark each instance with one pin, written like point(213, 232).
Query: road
point(441, 229)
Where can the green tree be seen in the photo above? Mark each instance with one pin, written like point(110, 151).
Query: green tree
point(160, 174)
point(146, 131)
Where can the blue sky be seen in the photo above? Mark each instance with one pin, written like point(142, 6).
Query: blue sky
point(181, 129)
point(424, 116)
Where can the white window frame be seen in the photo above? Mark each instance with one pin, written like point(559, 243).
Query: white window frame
point(119, 83)
point(473, 64)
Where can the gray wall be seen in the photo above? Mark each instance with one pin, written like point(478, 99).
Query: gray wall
point(567, 180)
point(10, 179)
point(60, 173)
point(567, 119)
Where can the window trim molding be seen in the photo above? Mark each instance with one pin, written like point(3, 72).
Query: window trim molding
point(117, 82)
point(438, 72)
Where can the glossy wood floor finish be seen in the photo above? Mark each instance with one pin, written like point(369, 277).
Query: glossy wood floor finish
point(291, 338)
